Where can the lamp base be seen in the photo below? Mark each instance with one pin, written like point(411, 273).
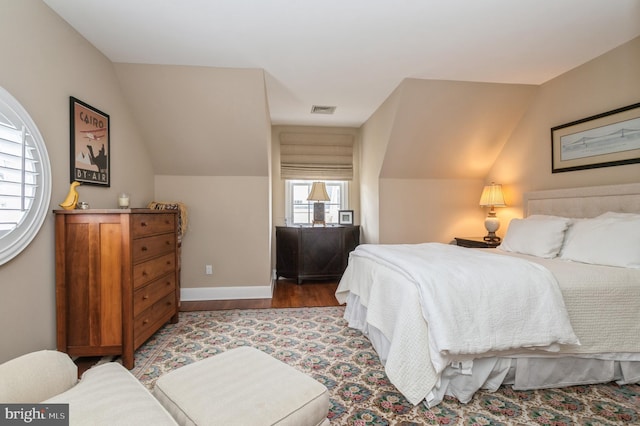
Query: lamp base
point(491, 237)
point(492, 224)
point(318, 214)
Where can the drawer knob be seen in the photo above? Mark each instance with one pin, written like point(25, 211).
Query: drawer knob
point(143, 224)
point(144, 273)
point(144, 248)
point(145, 297)
point(168, 283)
point(145, 322)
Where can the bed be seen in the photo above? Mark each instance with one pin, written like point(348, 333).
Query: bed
point(557, 304)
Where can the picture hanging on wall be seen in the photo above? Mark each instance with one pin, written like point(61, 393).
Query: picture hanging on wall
point(604, 140)
point(90, 151)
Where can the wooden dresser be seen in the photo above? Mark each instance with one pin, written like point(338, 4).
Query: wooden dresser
point(116, 279)
point(314, 252)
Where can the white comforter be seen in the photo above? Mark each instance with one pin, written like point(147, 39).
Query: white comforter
point(473, 303)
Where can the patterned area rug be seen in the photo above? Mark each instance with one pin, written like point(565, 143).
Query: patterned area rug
point(318, 342)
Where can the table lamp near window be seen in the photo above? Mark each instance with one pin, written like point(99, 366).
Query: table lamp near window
point(492, 197)
point(318, 194)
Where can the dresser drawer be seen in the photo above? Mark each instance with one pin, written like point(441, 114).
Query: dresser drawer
point(152, 269)
point(146, 248)
point(149, 224)
point(151, 293)
point(148, 322)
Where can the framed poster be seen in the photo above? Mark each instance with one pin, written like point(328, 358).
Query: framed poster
point(90, 150)
point(604, 140)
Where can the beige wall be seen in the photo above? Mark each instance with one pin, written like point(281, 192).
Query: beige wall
point(397, 209)
point(44, 62)
point(209, 136)
point(375, 135)
point(426, 151)
point(451, 129)
point(200, 121)
point(430, 210)
point(603, 84)
point(229, 228)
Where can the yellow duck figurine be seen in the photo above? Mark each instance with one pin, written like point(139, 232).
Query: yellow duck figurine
point(70, 202)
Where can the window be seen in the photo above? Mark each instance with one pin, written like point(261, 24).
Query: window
point(25, 178)
point(299, 211)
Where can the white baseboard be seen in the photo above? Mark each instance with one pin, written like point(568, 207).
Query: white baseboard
point(225, 293)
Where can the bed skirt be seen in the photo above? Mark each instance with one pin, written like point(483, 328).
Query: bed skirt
point(524, 372)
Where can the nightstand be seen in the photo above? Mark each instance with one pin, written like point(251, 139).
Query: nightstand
point(475, 242)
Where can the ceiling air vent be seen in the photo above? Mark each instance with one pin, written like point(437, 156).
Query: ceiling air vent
point(322, 109)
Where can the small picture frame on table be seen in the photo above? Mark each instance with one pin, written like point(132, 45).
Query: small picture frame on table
point(345, 217)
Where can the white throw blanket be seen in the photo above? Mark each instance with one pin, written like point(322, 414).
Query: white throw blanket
point(475, 302)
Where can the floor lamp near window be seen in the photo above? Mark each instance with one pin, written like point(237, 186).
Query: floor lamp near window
point(492, 197)
point(319, 195)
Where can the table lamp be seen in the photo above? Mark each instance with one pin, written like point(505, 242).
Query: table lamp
point(318, 194)
point(492, 197)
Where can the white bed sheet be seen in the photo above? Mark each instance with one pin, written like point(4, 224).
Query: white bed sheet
point(603, 305)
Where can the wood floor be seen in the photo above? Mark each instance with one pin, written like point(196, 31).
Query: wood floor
point(286, 294)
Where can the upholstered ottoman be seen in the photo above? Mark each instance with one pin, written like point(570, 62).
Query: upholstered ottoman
point(243, 386)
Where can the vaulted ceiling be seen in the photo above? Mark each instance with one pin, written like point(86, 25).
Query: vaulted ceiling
point(353, 54)
point(207, 78)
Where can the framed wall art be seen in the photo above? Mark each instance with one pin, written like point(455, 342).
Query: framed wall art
point(345, 217)
point(604, 140)
point(90, 151)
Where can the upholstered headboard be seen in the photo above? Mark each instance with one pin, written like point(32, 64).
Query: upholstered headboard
point(583, 202)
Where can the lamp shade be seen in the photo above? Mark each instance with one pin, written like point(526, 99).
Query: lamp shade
point(492, 196)
point(318, 192)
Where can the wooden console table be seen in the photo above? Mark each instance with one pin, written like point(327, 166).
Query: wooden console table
point(314, 252)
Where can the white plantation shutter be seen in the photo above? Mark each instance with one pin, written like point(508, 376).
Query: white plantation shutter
point(316, 156)
point(25, 178)
point(18, 174)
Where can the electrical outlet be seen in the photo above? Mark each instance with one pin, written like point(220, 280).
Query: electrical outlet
point(208, 269)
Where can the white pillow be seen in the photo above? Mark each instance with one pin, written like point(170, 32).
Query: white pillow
point(612, 240)
point(539, 236)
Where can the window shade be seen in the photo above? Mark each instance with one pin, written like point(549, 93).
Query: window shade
point(316, 156)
